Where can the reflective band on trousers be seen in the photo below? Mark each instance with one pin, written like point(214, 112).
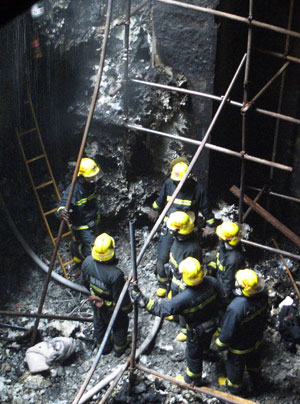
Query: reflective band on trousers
point(230, 384)
point(173, 261)
point(84, 227)
point(150, 304)
point(201, 305)
point(181, 201)
point(163, 280)
point(85, 200)
point(245, 351)
point(191, 374)
point(219, 265)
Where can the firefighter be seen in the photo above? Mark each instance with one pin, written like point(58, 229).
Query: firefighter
point(83, 213)
point(192, 197)
point(186, 244)
point(229, 257)
point(105, 282)
point(198, 304)
point(242, 330)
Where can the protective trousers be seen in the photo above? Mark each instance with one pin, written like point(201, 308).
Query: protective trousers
point(195, 345)
point(82, 247)
point(119, 330)
point(237, 363)
point(175, 289)
point(163, 252)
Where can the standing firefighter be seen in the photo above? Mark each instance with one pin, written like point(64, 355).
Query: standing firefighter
point(185, 244)
point(83, 213)
point(192, 197)
point(198, 304)
point(105, 282)
point(229, 257)
point(242, 330)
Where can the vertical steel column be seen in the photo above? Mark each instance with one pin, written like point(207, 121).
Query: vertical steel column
point(245, 99)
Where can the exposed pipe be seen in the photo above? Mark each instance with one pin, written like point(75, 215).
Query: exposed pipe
point(232, 17)
point(35, 258)
point(278, 55)
point(289, 198)
point(274, 250)
point(255, 200)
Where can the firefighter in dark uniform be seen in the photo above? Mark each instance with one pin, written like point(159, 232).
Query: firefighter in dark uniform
point(105, 282)
point(229, 258)
point(198, 304)
point(192, 197)
point(186, 244)
point(83, 213)
point(242, 330)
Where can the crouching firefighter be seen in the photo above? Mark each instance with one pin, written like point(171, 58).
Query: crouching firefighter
point(105, 281)
point(242, 330)
point(83, 213)
point(186, 244)
point(192, 197)
point(198, 304)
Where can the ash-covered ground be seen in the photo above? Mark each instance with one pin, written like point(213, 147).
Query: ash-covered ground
point(60, 385)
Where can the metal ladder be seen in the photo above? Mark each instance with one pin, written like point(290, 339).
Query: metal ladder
point(36, 188)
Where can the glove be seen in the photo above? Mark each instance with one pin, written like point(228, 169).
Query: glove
point(138, 297)
point(153, 215)
point(64, 215)
point(208, 231)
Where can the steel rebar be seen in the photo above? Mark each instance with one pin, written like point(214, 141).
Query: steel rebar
point(218, 98)
point(224, 397)
point(278, 55)
point(80, 154)
point(232, 17)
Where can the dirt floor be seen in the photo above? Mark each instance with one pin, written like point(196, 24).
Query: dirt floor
point(281, 368)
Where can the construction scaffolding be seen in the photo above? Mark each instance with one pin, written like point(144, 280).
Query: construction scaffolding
point(245, 106)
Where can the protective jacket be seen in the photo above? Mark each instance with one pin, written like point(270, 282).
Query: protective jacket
point(244, 323)
point(228, 262)
point(197, 304)
point(83, 205)
point(192, 197)
point(180, 250)
point(105, 280)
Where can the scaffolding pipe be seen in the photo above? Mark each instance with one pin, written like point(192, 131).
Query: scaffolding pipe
point(154, 229)
point(223, 397)
point(277, 74)
point(244, 120)
point(289, 198)
point(274, 250)
point(212, 147)
point(80, 154)
point(217, 98)
point(45, 315)
point(135, 307)
point(255, 200)
point(278, 55)
point(234, 17)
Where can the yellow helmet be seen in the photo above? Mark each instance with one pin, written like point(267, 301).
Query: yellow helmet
point(229, 232)
point(103, 249)
point(181, 221)
point(178, 171)
point(89, 170)
point(249, 281)
point(192, 272)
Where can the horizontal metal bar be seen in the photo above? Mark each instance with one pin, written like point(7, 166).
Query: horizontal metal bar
point(45, 184)
point(219, 99)
point(265, 247)
point(244, 20)
point(35, 158)
point(289, 198)
point(278, 55)
point(213, 147)
point(45, 315)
